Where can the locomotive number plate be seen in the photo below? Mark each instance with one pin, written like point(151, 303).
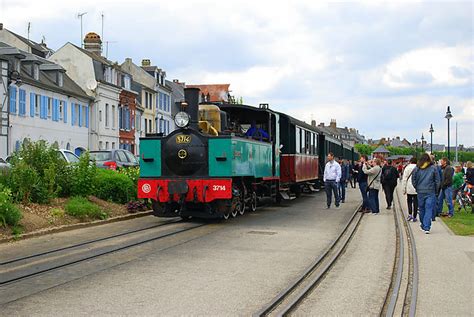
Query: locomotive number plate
point(181, 139)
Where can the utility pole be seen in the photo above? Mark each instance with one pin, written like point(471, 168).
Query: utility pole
point(79, 16)
point(456, 159)
point(102, 34)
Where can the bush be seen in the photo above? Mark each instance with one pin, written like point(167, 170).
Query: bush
point(133, 173)
point(9, 213)
point(37, 172)
point(114, 186)
point(82, 208)
point(83, 177)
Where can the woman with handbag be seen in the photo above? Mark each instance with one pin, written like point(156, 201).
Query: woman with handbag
point(373, 169)
point(410, 191)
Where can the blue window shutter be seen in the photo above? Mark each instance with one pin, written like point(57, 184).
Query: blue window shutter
point(55, 109)
point(65, 111)
point(80, 115)
point(12, 99)
point(22, 107)
point(73, 114)
point(42, 107)
point(87, 116)
point(32, 104)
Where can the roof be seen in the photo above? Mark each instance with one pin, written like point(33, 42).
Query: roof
point(217, 92)
point(381, 149)
point(37, 49)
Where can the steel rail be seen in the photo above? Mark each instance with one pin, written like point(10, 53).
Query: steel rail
point(86, 243)
point(277, 300)
point(120, 248)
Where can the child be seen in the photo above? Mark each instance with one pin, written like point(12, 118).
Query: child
point(458, 181)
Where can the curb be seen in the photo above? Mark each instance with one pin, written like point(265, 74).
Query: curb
point(81, 225)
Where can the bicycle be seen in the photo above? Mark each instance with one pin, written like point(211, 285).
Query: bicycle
point(464, 197)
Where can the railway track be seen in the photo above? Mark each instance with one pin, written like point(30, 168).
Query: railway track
point(288, 300)
point(21, 268)
point(402, 295)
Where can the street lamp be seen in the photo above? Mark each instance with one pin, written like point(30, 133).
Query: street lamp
point(422, 141)
point(431, 132)
point(448, 116)
point(416, 148)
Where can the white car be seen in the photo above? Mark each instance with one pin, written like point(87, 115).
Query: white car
point(68, 156)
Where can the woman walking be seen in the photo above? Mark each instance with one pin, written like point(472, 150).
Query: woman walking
point(425, 178)
point(410, 191)
point(373, 170)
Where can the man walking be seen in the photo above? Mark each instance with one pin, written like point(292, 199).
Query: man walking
point(446, 192)
point(389, 182)
point(332, 176)
point(343, 182)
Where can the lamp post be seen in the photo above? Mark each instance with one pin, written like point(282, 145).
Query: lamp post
point(422, 141)
point(448, 116)
point(416, 148)
point(431, 132)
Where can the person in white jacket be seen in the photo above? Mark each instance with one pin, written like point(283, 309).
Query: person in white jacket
point(410, 191)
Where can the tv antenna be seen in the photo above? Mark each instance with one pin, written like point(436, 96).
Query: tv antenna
point(29, 28)
point(102, 18)
point(79, 16)
point(107, 47)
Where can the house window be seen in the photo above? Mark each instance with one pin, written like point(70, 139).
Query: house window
point(37, 105)
point(146, 100)
point(36, 71)
point(60, 79)
point(146, 126)
point(113, 145)
point(100, 145)
point(107, 115)
point(107, 145)
point(100, 115)
point(126, 82)
point(113, 117)
point(61, 110)
point(50, 107)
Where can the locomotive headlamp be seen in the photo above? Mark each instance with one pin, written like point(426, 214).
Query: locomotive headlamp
point(181, 119)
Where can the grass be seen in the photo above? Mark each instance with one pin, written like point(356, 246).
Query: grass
point(462, 223)
point(82, 208)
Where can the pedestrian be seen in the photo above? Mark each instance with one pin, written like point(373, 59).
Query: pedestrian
point(410, 191)
point(389, 181)
point(373, 169)
point(352, 175)
point(343, 181)
point(458, 180)
point(426, 180)
point(362, 180)
point(446, 191)
point(469, 173)
point(332, 176)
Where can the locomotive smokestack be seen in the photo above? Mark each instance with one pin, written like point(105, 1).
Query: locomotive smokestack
point(191, 95)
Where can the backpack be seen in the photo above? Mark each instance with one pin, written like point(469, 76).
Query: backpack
point(388, 176)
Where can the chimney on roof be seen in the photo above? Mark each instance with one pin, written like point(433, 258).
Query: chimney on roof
point(146, 62)
point(313, 123)
point(321, 124)
point(1, 26)
point(93, 43)
point(333, 123)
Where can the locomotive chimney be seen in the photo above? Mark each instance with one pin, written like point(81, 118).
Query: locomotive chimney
point(191, 95)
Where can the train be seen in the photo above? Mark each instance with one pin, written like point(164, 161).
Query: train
point(223, 158)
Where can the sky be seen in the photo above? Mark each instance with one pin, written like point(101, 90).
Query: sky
point(386, 68)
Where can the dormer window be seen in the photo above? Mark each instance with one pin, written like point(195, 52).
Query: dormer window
point(36, 72)
point(60, 79)
point(126, 82)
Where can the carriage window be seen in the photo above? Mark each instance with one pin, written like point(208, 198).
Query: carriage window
point(298, 140)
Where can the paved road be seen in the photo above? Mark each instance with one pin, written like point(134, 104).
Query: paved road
point(232, 269)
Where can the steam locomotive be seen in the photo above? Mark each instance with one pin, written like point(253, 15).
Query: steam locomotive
point(223, 158)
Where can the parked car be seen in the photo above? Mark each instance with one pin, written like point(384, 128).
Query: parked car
point(113, 159)
point(4, 165)
point(68, 156)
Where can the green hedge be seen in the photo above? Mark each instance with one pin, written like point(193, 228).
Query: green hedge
point(113, 186)
point(82, 208)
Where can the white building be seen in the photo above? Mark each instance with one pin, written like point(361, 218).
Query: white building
point(44, 103)
point(164, 120)
point(101, 80)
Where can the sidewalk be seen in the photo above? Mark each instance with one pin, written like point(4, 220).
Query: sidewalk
point(446, 269)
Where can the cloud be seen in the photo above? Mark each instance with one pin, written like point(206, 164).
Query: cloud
point(429, 66)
